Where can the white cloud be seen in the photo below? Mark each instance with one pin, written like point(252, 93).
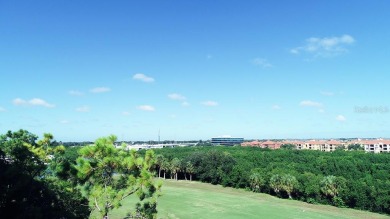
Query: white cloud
point(325, 47)
point(176, 96)
point(2, 109)
point(276, 107)
point(146, 108)
point(76, 93)
point(83, 109)
point(142, 77)
point(341, 118)
point(321, 111)
point(310, 103)
point(100, 90)
point(64, 121)
point(125, 113)
point(32, 102)
point(261, 62)
point(327, 93)
point(19, 102)
point(40, 102)
point(210, 103)
point(185, 103)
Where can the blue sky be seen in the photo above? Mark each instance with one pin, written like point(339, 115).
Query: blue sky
point(195, 69)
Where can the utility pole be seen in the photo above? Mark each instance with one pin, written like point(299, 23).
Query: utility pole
point(158, 136)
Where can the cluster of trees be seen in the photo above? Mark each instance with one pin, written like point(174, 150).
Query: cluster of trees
point(346, 179)
point(212, 167)
point(173, 168)
point(40, 180)
point(28, 187)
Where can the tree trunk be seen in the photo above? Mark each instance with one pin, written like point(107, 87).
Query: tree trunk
point(164, 174)
point(159, 172)
point(190, 177)
point(185, 176)
point(106, 214)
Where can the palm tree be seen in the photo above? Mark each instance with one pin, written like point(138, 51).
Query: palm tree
point(175, 166)
point(183, 168)
point(330, 186)
point(256, 181)
point(289, 183)
point(190, 169)
point(276, 183)
point(159, 162)
point(165, 165)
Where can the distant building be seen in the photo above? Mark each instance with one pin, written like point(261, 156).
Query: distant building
point(321, 145)
point(271, 144)
point(226, 140)
point(265, 144)
point(376, 146)
point(251, 144)
point(332, 145)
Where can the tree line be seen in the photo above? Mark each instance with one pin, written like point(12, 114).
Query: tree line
point(352, 179)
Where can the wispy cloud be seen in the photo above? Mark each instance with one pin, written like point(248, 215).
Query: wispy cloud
point(142, 77)
point(209, 103)
point(125, 113)
point(276, 107)
point(176, 96)
point(83, 109)
point(341, 118)
point(2, 109)
point(76, 93)
point(321, 111)
point(100, 90)
point(325, 47)
point(32, 102)
point(146, 108)
point(327, 93)
point(185, 103)
point(261, 62)
point(310, 103)
point(64, 121)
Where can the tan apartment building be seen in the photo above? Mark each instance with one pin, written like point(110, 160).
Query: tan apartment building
point(267, 144)
point(372, 146)
point(376, 146)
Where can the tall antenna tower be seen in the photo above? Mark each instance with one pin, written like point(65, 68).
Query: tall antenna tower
point(158, 136)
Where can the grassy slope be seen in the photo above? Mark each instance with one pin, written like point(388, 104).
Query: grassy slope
point(183, 199)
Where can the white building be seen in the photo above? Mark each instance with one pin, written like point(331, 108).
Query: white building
point(376, 146)
point(226, 140)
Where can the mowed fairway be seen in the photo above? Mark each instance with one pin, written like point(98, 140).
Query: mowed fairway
point(184, 199)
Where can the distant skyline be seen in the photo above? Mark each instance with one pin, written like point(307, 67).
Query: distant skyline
point(195, 69)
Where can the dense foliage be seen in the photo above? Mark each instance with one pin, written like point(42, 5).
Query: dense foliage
point(107, 175)
point(28, 187)
point(42, 179)
point(342, 178)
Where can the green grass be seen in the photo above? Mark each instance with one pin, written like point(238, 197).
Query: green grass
point(184, 199)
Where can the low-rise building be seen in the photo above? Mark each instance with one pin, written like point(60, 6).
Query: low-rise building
point(266, 144)
point(226, 140)
point(271, 144)
point(376, 146)
point(251, 144)
point(372, 146)
point(331, 145)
